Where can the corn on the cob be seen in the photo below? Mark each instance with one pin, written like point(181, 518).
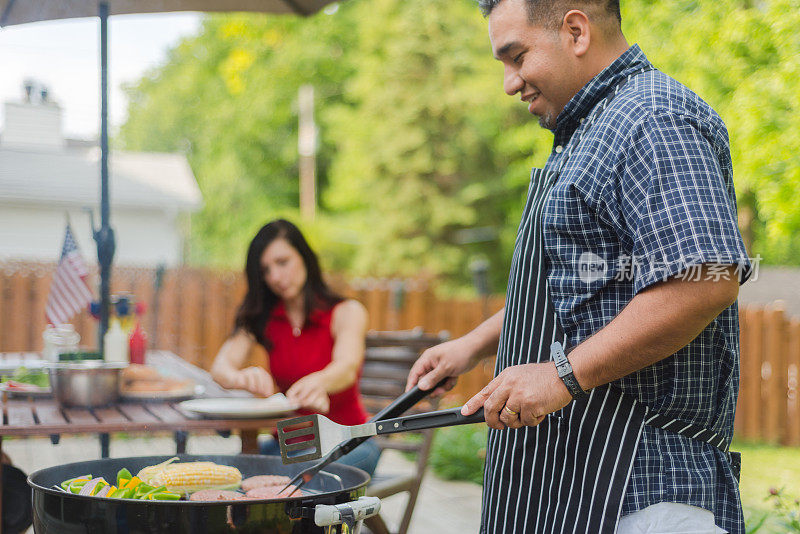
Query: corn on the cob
point(191, 476)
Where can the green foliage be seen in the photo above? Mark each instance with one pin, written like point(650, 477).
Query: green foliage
point(459, 453)
point(765, 467)
point(743, 57)
point(786, 508)
point(419, 146)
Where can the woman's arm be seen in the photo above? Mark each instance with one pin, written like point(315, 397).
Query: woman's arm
point(349, 329)
point(227, 367)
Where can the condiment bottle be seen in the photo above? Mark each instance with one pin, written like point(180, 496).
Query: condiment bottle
point(115, 344)
point(138, 344)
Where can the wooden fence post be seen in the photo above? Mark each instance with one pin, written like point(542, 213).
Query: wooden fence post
point(38, 321)
point(214, 331)
point(793, 399)
point(750, 400)
point(773, 374)
point(191, 297)
point(169, 307)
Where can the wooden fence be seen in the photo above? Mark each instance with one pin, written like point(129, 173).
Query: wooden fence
point(193, 314)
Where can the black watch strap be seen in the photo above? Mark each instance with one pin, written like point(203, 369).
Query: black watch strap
point(565, 371)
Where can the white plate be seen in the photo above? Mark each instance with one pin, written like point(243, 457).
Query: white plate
point(240, 408)
point(174, 394)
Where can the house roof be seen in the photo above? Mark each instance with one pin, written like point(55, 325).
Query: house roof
point(72, 177)
point(772, 283)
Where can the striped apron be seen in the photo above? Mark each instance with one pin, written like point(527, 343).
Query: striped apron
point(569, 473)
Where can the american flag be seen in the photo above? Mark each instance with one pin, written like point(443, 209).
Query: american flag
point(69, 291)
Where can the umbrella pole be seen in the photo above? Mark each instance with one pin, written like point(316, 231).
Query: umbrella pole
point(105, 235)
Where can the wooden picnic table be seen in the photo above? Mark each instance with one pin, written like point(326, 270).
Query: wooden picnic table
point(34, 416)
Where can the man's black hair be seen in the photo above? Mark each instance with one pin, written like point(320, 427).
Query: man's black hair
point(551, 12)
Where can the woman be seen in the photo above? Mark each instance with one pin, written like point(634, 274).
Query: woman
point(313, 337)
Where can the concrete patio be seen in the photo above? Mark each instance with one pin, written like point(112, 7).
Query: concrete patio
point(443, 507)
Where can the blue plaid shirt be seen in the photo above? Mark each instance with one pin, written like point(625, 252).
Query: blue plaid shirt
point(648, 194)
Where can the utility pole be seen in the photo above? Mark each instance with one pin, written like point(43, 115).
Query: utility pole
point(307, 148)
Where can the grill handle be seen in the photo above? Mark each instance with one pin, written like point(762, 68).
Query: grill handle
point(422, 421)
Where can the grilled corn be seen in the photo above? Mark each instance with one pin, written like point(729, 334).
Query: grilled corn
point(189, 477)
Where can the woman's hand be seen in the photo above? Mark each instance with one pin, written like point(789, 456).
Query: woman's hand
point(254, 379)
point(309, 393)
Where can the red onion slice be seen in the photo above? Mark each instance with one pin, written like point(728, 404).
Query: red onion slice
point(89, 486)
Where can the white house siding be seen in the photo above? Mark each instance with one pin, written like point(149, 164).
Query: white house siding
point(144, 237)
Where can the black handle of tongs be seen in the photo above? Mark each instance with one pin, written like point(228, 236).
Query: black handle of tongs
point(421, 421)
point(398, 407)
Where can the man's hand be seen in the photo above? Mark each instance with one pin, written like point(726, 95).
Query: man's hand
point(521, 395)
point(448, 360)
point(310, 393)
point(256, 380)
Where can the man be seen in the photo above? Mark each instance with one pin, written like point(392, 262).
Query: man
point(628, 242)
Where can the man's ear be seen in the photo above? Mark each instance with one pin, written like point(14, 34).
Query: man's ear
point(578, 30)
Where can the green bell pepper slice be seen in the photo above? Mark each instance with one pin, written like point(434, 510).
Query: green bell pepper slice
point(124, 493)
point(141, 490)
point(152, 491)
point(77, 484)
point(164, 496)
point(123, 473)
point(65, 485)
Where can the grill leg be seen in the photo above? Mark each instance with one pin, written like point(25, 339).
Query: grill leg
point(105, 444)
point(180, 441)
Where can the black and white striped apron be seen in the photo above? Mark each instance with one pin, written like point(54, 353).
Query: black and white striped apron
point(569, 473)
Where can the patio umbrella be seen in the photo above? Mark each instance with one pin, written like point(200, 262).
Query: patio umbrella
point(25, 11)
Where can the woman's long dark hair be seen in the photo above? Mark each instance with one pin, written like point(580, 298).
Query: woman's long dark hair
point(259, 301)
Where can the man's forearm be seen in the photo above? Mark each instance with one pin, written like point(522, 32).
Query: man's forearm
point(483, 339)
point(655, 324)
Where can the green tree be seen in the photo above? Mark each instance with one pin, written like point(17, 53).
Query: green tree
point(422, 152)
point(743, 57)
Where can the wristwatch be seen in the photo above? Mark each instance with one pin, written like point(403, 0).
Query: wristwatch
point(565, 371)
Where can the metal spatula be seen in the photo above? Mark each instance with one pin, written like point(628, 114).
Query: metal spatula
point(314, 436)
point(397, 407)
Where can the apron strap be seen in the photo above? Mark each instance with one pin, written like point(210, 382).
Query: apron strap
point(692, 431)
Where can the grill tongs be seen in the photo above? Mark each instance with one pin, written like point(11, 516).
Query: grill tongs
point(395, 409)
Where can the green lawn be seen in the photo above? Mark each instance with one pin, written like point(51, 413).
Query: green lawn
point(765, 467)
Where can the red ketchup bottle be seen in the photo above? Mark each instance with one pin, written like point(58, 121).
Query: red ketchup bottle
point(138, 344)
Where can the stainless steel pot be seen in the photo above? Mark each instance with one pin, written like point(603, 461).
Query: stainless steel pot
point(86, 384)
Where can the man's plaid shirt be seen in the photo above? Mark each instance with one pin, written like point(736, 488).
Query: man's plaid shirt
point(648, 194)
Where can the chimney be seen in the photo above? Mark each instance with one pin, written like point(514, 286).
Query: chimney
point(32, 124)
point(28, 90)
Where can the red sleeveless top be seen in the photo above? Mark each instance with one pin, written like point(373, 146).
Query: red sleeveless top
point(293, 357)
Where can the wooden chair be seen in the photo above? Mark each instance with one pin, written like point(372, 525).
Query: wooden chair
point(389, 357)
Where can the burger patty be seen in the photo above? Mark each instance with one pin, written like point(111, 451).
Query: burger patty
point(216, 495)
point(272, 492)
point(261, 481)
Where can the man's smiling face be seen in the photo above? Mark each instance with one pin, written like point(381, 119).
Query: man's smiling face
point(537, 61)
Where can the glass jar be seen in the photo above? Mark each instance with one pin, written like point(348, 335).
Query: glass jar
point(58, 339)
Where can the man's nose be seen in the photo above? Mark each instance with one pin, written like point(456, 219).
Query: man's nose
point(512, 82)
